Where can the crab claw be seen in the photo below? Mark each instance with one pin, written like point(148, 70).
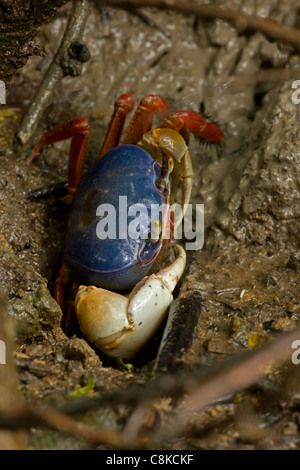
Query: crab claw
point(121, 325)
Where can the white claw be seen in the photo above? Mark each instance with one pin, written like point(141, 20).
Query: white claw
point(120, 326)
point(171, 275)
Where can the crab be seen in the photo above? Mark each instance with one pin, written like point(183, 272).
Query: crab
point(120, 296)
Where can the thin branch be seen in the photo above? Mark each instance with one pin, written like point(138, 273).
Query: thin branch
point(28, 417)
point(62, 422)
point(64, 63)
point(261, 76)
point(241, 21)
point(240, 81)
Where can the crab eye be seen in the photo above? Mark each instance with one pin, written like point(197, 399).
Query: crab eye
point(155, 230)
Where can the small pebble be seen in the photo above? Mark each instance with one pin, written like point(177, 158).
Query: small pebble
point(283, 324)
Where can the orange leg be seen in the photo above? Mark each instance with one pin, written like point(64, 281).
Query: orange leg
point(184, 121)
point(78, 130)
point(69, 320)
point(123, 106)
point(61, 283)
point(66, 302)
point(142, 119)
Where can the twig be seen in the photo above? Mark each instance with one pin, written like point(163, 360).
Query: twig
point(261, 76)
point(242, 21)
point(67, 61)
point(28, 417)
point(62, 422)
point(240, 81)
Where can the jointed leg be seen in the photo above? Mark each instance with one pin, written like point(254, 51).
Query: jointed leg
point(142, 119)
point(60, 286)
point(123, 106)
point(183, 121)
point(69, 321)
point(78, 130)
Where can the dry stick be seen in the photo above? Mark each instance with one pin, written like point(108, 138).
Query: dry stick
point(26, 417)
point(56, 71)
point(240, 81)
point(242, 21)
point(273, 75)
point(62, 422)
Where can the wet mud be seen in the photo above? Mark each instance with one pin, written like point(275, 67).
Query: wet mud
point(246, 276)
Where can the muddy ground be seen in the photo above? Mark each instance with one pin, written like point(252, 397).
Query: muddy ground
point(242, 287)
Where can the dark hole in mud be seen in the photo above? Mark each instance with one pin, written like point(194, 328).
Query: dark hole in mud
point(261, 89)
point(267, 325)
point(266, 65)
point(258, 97)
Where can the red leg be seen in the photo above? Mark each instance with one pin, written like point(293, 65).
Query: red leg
point(60, 286)
point(142, 119)
point(123, 106)
point(78, 130)
point(66, 302)
point(69, 322)
point(183, 121)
